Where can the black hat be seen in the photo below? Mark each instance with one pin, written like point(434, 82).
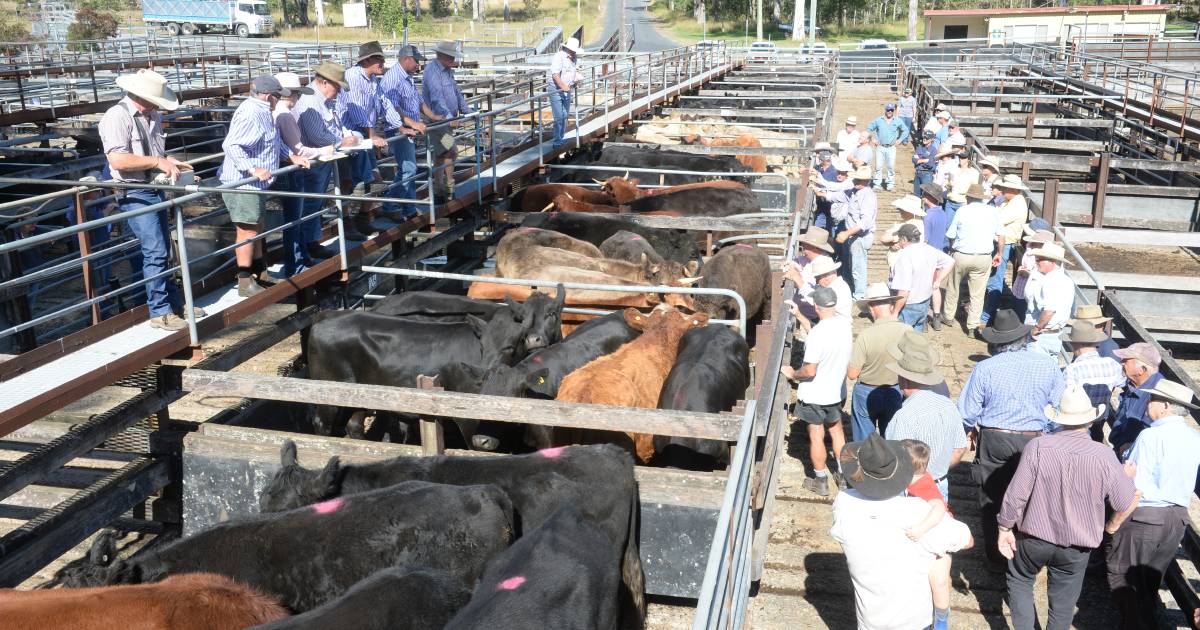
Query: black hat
point(1005, 327)
point(368, 50)
point(931, 189)
point(877, 468)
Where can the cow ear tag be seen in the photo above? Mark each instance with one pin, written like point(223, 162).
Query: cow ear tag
point(541, 380)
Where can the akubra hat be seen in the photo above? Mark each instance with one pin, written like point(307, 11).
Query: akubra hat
point(912, 339)
point(447, 48)
point(1084, 333)
point(852, 120)
point(823, 265)
point(1075, 409)
point(933, 191)
point(1173, 392)
point(1005, 327)
point(1091, 313)
point(974, 191)
point(877, 293)
point(368, 50)
point(877, 468)
point(572, 45)
point(331, 71)
point(1051, 251)
point(1040, 236)
point(910, 204)
point(151, 87)
point(1011, 182)
point(862, 173)
point(919, 366)
point(818, 238)
point(991, 163)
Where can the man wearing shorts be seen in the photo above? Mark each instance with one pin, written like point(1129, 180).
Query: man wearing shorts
point(822, 386)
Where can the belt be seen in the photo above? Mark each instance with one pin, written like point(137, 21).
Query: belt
point(970, 254)
point(983, 428)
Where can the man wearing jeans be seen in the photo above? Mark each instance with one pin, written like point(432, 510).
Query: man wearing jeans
point(399, 88)
point(875, 397)
point(563, 74)
point(918, 273)
point(1014, 216)
point(320, 126)
point(135, 146)
point(906, 109)
point(889, 131)
point(856, 239)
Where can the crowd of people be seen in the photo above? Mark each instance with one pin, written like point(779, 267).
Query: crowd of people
point(1056, 490)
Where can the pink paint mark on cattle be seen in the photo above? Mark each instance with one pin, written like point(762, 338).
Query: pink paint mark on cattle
point(745, 245)
point(329, 507)
point(635, 238)
point(537, 358)
point(552, 453)
point(511, 583)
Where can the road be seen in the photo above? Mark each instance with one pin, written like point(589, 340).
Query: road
point(637, 14)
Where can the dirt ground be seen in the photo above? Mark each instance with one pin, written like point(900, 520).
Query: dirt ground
point(1164, 261)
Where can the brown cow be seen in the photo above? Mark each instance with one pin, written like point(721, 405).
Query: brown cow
point(538, 197)
point(565, 203)
point(633, 376)
point(190, 601)
point(625, 190)
point(756, 163)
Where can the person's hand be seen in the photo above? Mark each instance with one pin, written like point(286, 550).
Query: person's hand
point(300, 161)
point(183, 166)
point(1008, 544)
point(349, 140)
point(419, 127)
point(261, 173)
point(996, 260)
point(378, 142)
point(841, 238)
point(1022, 271)
point(788, 372)
point(914, 534)
point(1130, 468)
point(168, 167)
point(795, 310)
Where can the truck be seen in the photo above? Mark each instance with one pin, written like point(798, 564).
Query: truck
point(188, 17)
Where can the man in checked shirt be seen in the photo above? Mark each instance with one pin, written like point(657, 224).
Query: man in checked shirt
point(401, 91)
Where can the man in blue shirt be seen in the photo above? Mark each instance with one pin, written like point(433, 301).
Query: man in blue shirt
point(889, 131)
point(441, 93)
point(1140, 362)
point(1004, 402)
point(906, 109)
point(925, 162)
point(1164, 462)
point(400, 90)
point(320, 126)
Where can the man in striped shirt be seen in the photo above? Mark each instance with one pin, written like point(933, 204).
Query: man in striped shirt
point(400, 90)
point(1056, 500)
point(320, 126)
point(441, 93)
point(252, 150)
point(1097, 375)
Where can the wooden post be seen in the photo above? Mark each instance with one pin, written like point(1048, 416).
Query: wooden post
point(1101, 191)
point(433, 439)
point(84, 249)
point(1050, 201)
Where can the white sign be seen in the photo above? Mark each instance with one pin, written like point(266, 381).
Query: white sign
point(354, 14)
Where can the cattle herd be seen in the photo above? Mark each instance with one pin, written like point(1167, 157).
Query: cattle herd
point(544, 536)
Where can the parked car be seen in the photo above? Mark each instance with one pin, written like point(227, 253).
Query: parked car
point(763, 51)
point(874, 44)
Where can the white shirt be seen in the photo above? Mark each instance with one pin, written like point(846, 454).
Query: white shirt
point(829, 345)
point(890, 573)
point(915, 267)
point(847, 141)
point(1054, 291)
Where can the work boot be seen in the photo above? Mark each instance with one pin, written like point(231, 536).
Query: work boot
point(819, 486)
point(935, 321)
point(248, 286)
point(170, 321)
point(317, 251)
point(197, 312)
point(362, 223)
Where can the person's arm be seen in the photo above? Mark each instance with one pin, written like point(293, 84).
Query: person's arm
point(970, 401)
point(396, 120)
point(903, 132)
point(903, 295)
point(429, 113)
point(996, 258)
point(937, 509)
point(241, 133)
point(858, 356)
point(944, 268)
point(1115, 521)
point(807, 373)
point(289, 132)
point(957, 454)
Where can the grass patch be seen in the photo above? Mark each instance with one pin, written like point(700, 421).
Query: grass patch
point(686, 29)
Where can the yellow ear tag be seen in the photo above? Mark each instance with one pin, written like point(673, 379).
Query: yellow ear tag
point(638, 318)
point(541, 381)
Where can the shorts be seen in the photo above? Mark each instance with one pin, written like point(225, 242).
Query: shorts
point(819, 414)
point(246, 209)
point(441, 140)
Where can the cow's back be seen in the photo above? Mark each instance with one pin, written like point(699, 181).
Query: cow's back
point(432, 303)
point(743, 269)
point(708, 202)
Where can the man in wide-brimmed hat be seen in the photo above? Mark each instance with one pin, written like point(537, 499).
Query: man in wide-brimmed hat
point(563, 74)
point(399, 88)
point(814, 243)
point(1037, 233)
point(1013, 213)
point(320, 126)
point(440, 91)
point(135, 146)
point(1166, 456)
point(976, 234)
point(1051, 299)
point(1056, 501)
point(917, 277)
point(989, 173)
point(848, 138)
point(824, 273)
point(912, 212)
point(1140, 362)
point(861, 207)
point(875, 396)
point(1004, 402)
point(927, 414)
point(1098, 375)
point(1092, 315)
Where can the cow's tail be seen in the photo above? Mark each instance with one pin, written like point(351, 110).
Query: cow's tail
point(633, 615)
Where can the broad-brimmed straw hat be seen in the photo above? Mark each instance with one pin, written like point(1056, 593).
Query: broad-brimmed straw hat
point(877, 293)
point(1040, 236)
point(852, 120)
point(822, 146)
point(991, 163)
point(1084, 333)
point(572, 45)
point(816, 237)
point(877, 468)
point(1010, 182)
point(151, 87)
point(910, 204)
point(1091, 313)
point(1005, 327)
point(1051, 251)
point(331, 71)
point(862, 173)
point(823, 265)
point(447, 48)
point(919, 366)
point(1075, 408)
point(1171, 391)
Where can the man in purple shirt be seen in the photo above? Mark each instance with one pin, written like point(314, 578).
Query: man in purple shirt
point(441, 93)
point(1056, 501)
point(401, 91)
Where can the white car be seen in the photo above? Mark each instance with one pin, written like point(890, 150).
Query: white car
point(874, 44)
point(764, 52)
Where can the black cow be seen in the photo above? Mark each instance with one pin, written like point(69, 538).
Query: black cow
point(700, 202)
point(409, 598)
point(310, 555)
point(711, 374)
point(375, 349)
point(597, 479)
point(633, 158)
point(676, 245)
point(563, 575)
point(539, 375)
point(626, 245)
point(546, 312)
point(742, 268)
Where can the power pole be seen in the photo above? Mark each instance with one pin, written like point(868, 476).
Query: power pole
point(812, 22)
point(759, 19)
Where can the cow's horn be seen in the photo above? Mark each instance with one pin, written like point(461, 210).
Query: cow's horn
point(690, 281)
point(550, 205)
point(626, 175)
point(598, 181)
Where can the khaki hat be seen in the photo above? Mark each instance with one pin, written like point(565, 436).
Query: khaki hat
point(877, 293)
point(1173, 392)
point(1040, 236)
point(991, 163)
point(331, 71)
point(816, 237)
point(149, 86)
point(1142, 351)
point(1091, 313)
point(862, 173)
point(974, 191)
point(945, 150)
point(1051, 251)
point(447, 48)
point(822, 146)
point(1075, 408)
point(1085, 333)
point(910, 204)
point(368, 50)
point(909, 340)
point(852, 120)
point(919, 366)
point(1010, 182)
point(823, 265)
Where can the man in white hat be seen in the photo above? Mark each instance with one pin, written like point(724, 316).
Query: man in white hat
point(401, 91)
point(1014, 216)
point(848, 138)
point(875, 396)
point(441, 93)
point(912, 212)
point(563, 74)
point(917, 277)
point(814, 244)
point(1166, 457)
point(823, 271)
point(1036, 235)
point(1051, 300)
point(939, 125)
point(135, 147)
point(989, 173)
point(1056, 500)
point(857, 238)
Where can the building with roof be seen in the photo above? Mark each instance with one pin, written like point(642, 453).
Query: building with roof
point(1002, 26)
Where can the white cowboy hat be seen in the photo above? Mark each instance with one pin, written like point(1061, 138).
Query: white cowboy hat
point(572, 45)
point(942, 113)
point(852, 120)
point(291, 81)
point(910, 204)
point(1075, 409)
point(1051, 251)
point(991, 163)
point(842, 165)
point(822, 146)
point(447, 48)
point(877, 292)
point(862, 173)
point(149, 86)
point(1011, 182)
point(823, 265)
point(1173, 392)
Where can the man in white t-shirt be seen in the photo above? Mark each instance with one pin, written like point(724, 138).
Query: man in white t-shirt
point(822, 384)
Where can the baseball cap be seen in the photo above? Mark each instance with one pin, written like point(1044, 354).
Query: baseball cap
point(269, 85)
point(927, 134)
point(1142, 351)
point(408, 50)
point(890, 107)
point(824, 297)
point(942, 114)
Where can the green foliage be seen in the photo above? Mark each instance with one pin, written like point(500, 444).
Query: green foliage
point(108, 5)
point(532, 6)
point(386, 15)
point(13, 32)
point(91, 25)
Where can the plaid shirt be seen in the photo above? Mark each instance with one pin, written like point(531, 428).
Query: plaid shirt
point(401, 91)
point(931, 418)
point(1011, 391)
point(441, 93)
point(252, 142)
point(360, 106)
point(319, 123)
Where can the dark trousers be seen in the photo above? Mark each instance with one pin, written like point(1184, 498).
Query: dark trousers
point(995, 464)
point(1138, 557)
point(1064, 579)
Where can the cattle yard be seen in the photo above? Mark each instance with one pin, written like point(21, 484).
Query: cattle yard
point(105, 422)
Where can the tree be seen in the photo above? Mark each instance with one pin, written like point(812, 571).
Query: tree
point(13, 34)
point(90, 25)
point(912, 19)
point(798, 21)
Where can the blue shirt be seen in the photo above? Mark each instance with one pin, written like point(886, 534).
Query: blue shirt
point(1108, 348)
point(931, 418)
point(925, 152)
point(889, 131)
point(906, 107)
point(319, 124)
point(941, 135)
point(1131, 416)
point(1011, 391)
point(861, 208)
point(974, 229)
point(400, 90)
point(936, 221)
point(252, 142)
point(1168, 456)
point(361, 105)
point(441, 93)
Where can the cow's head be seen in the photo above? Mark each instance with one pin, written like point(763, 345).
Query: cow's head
point(664, 317)
point(622, 189)
point(91, 570)
point(503, 338)
point(546, 325)
point(293, 486)
point(669, 272)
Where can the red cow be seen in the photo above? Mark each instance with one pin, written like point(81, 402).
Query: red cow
point(539, 197)
point(625, 190)
point(565, 203)
point(756, 163)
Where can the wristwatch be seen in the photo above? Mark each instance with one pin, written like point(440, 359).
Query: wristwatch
point(1004, 529)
